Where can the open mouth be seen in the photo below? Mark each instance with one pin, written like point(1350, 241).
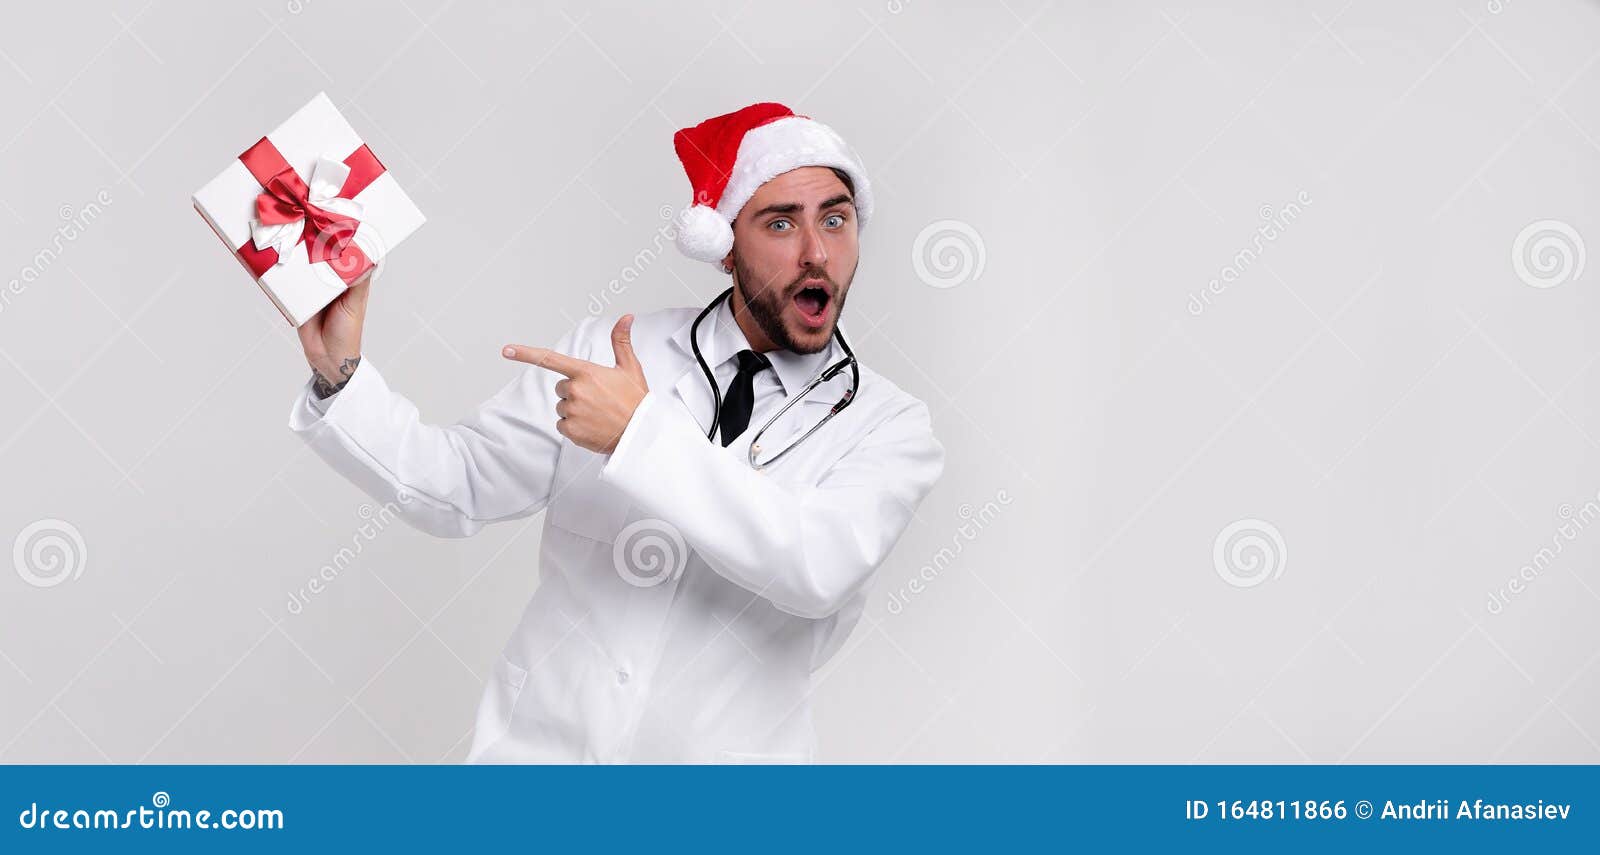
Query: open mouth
point(812, 302)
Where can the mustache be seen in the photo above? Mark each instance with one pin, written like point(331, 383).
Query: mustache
point(799, 284)
point(773, 292)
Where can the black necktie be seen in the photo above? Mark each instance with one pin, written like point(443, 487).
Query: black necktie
point(741, 398)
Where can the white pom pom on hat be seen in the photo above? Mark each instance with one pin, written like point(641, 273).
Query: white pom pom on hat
point(729, 157)
point(703, 234)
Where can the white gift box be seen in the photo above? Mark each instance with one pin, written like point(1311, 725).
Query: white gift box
point(302, 265)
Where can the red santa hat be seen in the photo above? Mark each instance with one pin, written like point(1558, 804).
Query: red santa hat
point(729, 157)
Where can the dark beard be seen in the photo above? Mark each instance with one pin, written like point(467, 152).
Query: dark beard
point(767, 307)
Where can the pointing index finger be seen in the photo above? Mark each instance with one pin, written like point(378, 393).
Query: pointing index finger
point(544, 357)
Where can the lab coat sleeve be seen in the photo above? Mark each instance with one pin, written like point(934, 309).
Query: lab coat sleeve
point(498, 463)
point(808, 549)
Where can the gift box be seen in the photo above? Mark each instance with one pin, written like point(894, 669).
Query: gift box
point(308, 210)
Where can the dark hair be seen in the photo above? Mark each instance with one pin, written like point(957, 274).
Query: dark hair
point(849, 185)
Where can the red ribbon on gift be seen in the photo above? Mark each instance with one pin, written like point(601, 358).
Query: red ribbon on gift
point(286, 200)
point(328, 237)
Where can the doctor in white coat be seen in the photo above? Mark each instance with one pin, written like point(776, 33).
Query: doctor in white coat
point(691, 576)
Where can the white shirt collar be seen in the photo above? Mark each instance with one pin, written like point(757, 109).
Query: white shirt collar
point(721, 339)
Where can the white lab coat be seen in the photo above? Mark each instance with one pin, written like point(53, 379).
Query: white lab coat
point(714, 664)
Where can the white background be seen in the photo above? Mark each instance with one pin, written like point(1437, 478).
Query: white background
point(1378, 385)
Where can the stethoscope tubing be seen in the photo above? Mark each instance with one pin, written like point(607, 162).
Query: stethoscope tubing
point(826, 375)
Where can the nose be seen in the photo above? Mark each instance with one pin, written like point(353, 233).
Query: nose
point(813, 252)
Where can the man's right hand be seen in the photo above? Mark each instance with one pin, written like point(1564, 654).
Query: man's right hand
point(332, 338)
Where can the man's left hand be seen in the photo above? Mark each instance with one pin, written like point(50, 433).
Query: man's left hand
point(597, 401)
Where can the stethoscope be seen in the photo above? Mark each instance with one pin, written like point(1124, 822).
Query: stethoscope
point(849, 361)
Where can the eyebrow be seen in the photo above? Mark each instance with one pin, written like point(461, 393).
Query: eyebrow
point(792, 207)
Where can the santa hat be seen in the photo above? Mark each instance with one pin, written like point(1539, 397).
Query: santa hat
point(729, 157)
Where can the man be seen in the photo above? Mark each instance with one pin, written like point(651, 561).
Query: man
point(686, 593)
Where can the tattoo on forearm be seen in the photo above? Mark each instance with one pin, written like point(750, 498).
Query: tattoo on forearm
point(323, 388)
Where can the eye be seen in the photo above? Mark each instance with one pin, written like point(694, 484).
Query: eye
point(775, 223)
point(835, 220)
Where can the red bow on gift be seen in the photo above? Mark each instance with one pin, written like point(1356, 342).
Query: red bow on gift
point(287, 200)
point(292, 210)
